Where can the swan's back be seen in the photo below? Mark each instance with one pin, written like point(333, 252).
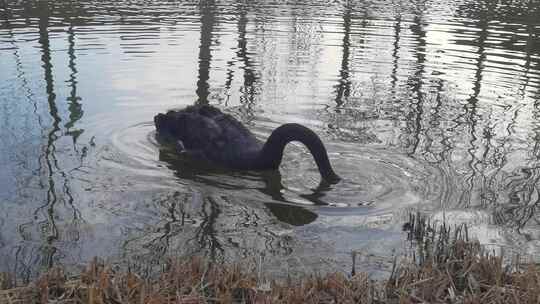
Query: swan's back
point(207, 130)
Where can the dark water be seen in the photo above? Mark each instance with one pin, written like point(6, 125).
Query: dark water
point(423, 105)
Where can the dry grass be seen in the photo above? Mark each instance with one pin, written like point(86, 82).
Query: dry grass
point(446, 268)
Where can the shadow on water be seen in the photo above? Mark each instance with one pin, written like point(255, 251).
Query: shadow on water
point(294, 215)
point(203, 173)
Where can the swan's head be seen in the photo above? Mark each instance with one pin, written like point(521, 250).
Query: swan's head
point(166, 124)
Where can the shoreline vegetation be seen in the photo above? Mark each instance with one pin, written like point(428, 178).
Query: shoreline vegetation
point(445, 267)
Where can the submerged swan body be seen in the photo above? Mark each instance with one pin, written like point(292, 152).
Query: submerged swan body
point(207, 133)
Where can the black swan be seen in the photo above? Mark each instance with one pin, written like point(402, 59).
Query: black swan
point(205, 132)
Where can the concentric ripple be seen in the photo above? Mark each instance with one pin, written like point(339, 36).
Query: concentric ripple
point(373, 180)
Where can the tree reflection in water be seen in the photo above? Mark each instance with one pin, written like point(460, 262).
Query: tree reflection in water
point(220, 227)
point(55, 224)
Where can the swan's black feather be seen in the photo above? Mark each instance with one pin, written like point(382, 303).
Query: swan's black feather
point(220, 138)
point(206, 130)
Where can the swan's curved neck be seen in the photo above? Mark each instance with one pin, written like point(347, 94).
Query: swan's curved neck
point(272, 151)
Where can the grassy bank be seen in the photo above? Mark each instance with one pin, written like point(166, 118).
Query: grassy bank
point(446, 267)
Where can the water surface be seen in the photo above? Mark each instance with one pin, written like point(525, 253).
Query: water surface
point(423, 105)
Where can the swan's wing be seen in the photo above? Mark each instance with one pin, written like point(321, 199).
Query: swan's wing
point(200, 132)
point(220, 137)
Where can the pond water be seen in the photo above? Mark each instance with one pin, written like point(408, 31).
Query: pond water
point(422, 105)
